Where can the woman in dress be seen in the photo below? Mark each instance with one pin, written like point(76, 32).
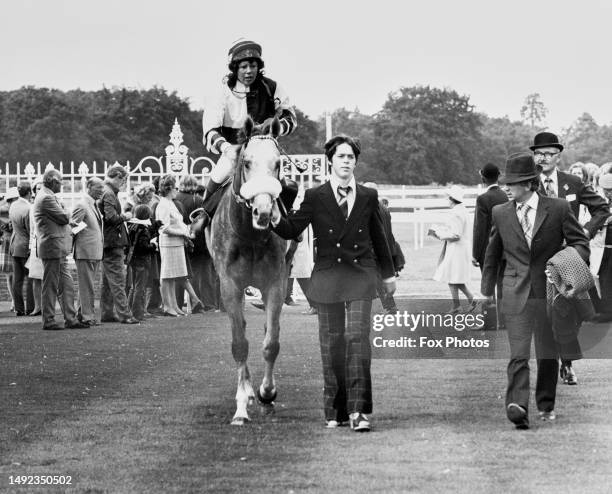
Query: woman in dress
point(172, 235)
point(34, 264)
point(455, 260)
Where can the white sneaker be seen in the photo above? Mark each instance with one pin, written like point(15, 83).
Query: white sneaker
point(359, 422)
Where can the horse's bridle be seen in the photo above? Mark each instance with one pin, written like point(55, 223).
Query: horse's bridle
point(240, 174)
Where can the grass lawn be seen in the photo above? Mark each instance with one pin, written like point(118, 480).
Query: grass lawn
point(147, 409)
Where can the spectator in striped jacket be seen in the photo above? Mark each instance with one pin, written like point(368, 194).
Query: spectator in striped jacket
point(244, 92)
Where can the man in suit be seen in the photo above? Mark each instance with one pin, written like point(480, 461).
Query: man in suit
point(115, 242)
point(88, 246)
point(527, 232)
point(493, 196)
point(53, 244)
point(19, 216)
point(346, 221)
point(555, 183)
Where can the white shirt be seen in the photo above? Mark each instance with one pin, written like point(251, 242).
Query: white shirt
point(350, 197)
point(555, 181)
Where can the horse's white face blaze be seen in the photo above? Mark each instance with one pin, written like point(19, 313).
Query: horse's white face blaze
point(262, 163)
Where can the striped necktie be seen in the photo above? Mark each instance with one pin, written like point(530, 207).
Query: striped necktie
point(549, 188)
point(523, 210)
point(343, 201)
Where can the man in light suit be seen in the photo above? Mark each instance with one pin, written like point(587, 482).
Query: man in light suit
point(555, 183)
point(53, 244)
point(19, 215)
point(527, 232)
point(88, 247)
point(350, 235)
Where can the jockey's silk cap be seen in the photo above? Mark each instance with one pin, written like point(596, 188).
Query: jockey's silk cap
point(519, 168)
point(243, 49)
point(605, 181)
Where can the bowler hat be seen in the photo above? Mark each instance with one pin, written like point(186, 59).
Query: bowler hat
point(489, 171)
point(546, 140)
point(519, 168)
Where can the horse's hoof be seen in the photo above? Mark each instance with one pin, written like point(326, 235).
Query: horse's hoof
point(267, 400)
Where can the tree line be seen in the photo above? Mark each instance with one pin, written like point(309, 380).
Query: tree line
point(422, 135)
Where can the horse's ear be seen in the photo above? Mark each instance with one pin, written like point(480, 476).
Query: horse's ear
point(275, 128)
point(248, 127)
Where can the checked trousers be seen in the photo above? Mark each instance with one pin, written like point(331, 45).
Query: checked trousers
point(344, 335)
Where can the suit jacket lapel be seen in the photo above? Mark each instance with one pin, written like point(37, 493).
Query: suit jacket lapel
point(328, 198)
point(541, 214)
point(561, 182)
point(358, 207)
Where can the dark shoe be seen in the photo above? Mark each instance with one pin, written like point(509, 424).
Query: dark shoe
point(91, 322)
point(109, 319)
point(312, 311)
point(197, 308)
point(259, 305)
point(547, 416)
point(359, 422)
point(148, 315)
point(130, 320)
point(568, 375)
point(290, 302)
point(156, 312)
point(52, 327)
point(20, 313)
point(518, 416)
point(76, 325)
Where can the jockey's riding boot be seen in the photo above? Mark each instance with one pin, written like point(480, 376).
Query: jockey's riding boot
point(211, 198)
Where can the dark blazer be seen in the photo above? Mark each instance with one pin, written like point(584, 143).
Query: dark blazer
point(115, 232)
point(345, 266)
point(19, 214)
point(483, 220)
point(524, 274)
point(571, 185)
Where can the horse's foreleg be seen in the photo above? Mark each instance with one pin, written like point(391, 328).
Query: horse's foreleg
point(232, 300)
point(274, 303)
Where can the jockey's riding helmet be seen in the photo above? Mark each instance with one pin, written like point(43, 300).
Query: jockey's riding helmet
point(243, 49)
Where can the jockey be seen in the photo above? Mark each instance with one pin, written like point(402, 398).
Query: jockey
point(245, 92)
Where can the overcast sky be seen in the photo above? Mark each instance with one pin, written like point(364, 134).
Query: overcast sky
point(327, 54)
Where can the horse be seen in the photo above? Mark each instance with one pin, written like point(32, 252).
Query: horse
point(246, 252)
